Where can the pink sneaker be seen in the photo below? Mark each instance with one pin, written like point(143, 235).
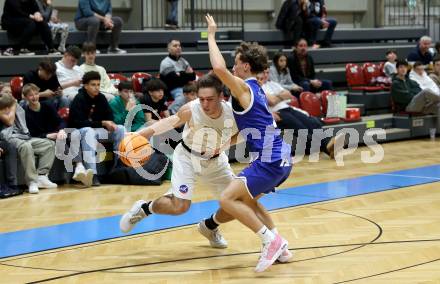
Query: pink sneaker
point(270, 252)
point(285, 256)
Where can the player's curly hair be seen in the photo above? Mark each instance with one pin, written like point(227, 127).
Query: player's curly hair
point(254, 54)
point(210, 81)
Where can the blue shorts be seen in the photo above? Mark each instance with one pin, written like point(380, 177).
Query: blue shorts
point(262, 177)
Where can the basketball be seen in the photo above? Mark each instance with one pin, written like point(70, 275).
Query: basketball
point(135, 150)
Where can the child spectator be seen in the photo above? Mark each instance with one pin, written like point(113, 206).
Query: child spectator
point(42, 119)
point(68, 72)
point(50, 16)
point(89, 53)
point(189, 93)
point(153, 97)
point(280, 73)
point(46, 80)
point(389, 68)
point(15, 131)
point(124, 103)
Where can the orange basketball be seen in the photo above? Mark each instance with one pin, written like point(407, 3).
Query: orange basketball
point(135, 150)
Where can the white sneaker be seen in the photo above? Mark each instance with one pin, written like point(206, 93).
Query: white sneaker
point(44, 182)
point(129, 219)
point(84, 176)
point(215, 238)
point(285, 256)
point(270, 252)
point(33, 188)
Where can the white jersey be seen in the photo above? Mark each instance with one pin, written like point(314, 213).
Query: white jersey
point(204, 134)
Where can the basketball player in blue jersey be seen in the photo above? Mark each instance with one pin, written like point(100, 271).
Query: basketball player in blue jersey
point(271, 164)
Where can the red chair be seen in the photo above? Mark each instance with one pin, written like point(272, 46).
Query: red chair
point(294, 102)
point(116, 78)
point(137, 79)
point(64, 113)
point(16, 86)
point(355, 79)
point(371, 72)
point(324, 101)
point(381, 67)
point(310, 103)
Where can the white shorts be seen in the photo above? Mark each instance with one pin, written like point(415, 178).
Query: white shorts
point(216, 173)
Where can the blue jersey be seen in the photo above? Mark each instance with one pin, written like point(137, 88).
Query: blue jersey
point(258, 127)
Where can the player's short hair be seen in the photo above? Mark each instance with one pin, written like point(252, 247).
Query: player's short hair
point(48, 66)
point(254, 54)
point(210, 81)
point(28, 88)
point(90, 76)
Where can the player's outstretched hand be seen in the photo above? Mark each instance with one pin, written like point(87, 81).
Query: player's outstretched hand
point(212, 26)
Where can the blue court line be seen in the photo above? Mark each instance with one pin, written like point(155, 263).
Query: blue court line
point(75, 233)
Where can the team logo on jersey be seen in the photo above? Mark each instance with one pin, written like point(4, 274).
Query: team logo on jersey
point(183, 188)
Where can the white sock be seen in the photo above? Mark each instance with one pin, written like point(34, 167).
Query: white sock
point(265, 235)
point(274, 231)
point(215, 219)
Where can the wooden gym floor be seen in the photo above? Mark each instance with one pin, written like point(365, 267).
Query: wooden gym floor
point(338, 233)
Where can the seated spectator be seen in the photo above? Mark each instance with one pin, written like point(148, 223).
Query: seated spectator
point(42, 119)
point(124, 103)
point(9, 153)
point(154, 99)
point(176, 72)
point(425, 82)
point(435, 75)
point(92, 115)
point(421, 52)
point(14, 130)
point(190, 94)
point(302, 69)
point(89, 53)
point(69, 74)
point(280, 73)
point(408, 96)
point(315, 19)
point(50, 16)
point(288, 117)
point(95, 15)
point(289, 19)
point(46, 80)
point(389, 68)
point(23, 20)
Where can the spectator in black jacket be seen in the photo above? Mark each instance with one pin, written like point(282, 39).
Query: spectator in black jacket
point(302, 69)
point(42, 119)
point(46, 80)
point(22, 20)
point(176, 72)
point(92, 115)
point(290, 19)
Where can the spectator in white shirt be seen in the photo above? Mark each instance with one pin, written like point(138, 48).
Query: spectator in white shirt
point(389, 68)
point(69, 74)
point(106, 87)
point(419, 75)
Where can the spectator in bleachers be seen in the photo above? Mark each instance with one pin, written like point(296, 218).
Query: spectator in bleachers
point(176, 72)
point(421, 52)
point(23, 20)
point(171, 22)
point(289, 19)
point(69, 74)
point(124, 103)
point(46, 80)
point(425, 82)
point(89, 53)
point(95, 15)
point(315, 19)
point(190, 94)
point(42, 119)
point(15, 131)
point(389, 68)
point(288, 117)
point(408, 96)
point(90, 112)
point(302, 69)
point(56, 26)
point(280, 73)
point(155, 100)
point(435, 75)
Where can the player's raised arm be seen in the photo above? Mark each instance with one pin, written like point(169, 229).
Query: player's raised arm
point(237, 86)
point(166, 124)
